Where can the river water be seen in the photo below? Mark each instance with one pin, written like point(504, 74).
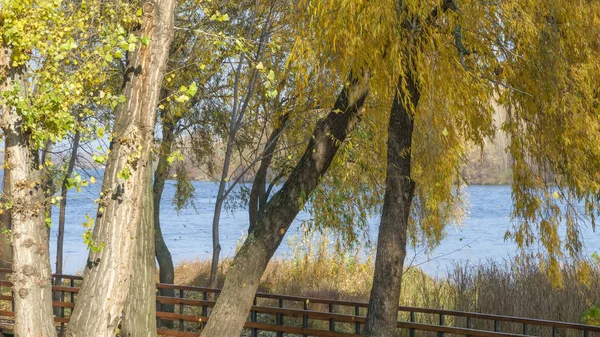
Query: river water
point(188, 234)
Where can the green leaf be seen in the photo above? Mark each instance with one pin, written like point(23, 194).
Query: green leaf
point(193, 89)
point(122, 99)
point(182, 98)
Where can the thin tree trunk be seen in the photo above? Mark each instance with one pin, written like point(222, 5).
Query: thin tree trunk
point(166, 273)
point(139, 318)
point(382, 316)
point(214, 266)
point(239, 110)
point(63, 204)
point(62, 217)
point(107, 277)
point(258, 193)
point(231, 309)
point(31, 262)
point(5, 223)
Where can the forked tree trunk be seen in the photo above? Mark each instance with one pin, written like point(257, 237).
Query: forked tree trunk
point(382, 317)
point(231, 309)
point(166, 273)
point(108, 274)
point(258, 193)
point(139, 318)
point(32, 289)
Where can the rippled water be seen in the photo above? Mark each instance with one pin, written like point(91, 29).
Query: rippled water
point(188, 234)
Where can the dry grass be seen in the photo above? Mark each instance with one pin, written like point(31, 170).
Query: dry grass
point(512, 289)
point(321, 272)
point(515, 289)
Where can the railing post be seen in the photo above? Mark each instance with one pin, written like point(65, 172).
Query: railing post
point(305, 318)
point(411, 331)
point(441, 334)
point(496, 325)
point(554, 331)
point(280, 318)
point(357, 324)
point(585, 333)
point(525, 329)
point(469, 325)
point(204, 307)
point(72, 283)
point(331, 320)
point(181, 295)
point(254, 318)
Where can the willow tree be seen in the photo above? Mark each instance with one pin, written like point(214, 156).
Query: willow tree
point(551, 179)
point(122, 226)
point(554, 128)
point(487, 74)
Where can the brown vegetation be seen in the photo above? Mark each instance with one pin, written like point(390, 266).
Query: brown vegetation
point(512, 288)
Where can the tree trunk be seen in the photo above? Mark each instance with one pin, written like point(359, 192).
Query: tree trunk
point(32, 289)
point(231, 309)
point(166, 273)
point(62, 217)
point(382, 316)
point(5, 226)
point(31, 261)
point(139, 318)
point(63, 204)
point(258, 193)
point(107, 277)
point(214, 266)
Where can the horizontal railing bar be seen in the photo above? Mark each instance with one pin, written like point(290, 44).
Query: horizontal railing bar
point(455, 330)
point(176, 333)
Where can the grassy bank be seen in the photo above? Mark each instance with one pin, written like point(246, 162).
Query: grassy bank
point(512, 289)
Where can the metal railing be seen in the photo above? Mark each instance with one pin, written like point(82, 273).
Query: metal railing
point(306, 316)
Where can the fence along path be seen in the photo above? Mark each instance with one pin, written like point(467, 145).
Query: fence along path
point(281, 315)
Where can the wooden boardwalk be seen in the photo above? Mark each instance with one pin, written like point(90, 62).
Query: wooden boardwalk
point(281, 315)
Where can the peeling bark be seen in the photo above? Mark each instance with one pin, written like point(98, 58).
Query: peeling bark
point(109, 272)
point(31, 277)
point(139, 318)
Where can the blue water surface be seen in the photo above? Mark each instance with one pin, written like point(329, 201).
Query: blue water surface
point(188, 234)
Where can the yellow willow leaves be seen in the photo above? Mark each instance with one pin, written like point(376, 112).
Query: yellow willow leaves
point(554, 129)
point(537, 59)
